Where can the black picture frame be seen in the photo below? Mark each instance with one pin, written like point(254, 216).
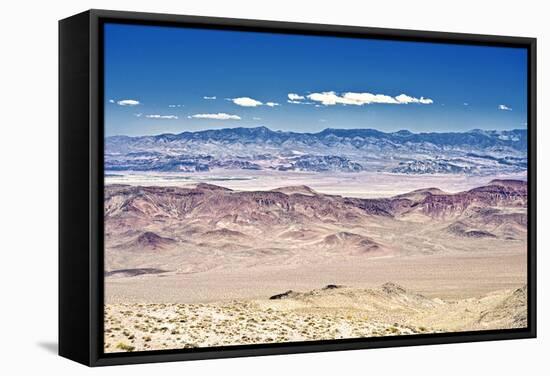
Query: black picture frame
point(81, 187)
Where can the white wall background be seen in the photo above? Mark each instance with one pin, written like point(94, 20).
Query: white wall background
point(28, 185)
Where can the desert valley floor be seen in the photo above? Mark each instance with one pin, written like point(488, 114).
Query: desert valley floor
point(204, 265)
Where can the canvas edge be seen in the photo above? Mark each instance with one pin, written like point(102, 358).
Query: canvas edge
point(74, 283)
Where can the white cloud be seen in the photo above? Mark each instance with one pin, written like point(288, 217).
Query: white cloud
point(295, 97)
point(175, 105)
point(111, 101)
point(298, 102)
point(330, 98)
point(154, 116)
point(209, 98)
point(503, 107)
point(246, 102)
point(250, 102)
point(138, 114)
point(218, 116)
point(466, 104)
point(403, 98)
point(128, 102)
point(256, 118)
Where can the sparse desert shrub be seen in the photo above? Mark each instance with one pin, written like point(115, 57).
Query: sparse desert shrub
point(393, 329)
point(125, 347)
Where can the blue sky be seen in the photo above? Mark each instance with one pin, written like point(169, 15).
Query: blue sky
point(165, 79)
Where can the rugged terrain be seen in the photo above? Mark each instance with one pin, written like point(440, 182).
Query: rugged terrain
point(196, 265)
point(332, 312)
point(475, 152)
point(187, 230)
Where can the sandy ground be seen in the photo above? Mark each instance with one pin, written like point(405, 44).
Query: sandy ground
point(460, 276)
point(332, 312)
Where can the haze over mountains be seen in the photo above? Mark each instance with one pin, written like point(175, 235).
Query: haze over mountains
point(476, 152)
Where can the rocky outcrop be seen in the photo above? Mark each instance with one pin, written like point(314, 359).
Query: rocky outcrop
point(285, 295)
point(461, 229)
point(150, 241)
point(511, 312)
point(133, 272)
point(350, 241)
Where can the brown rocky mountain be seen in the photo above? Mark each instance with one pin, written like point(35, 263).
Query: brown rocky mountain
point(186, 228)
point(297, 203)
point(150, 241)
point(351, 241)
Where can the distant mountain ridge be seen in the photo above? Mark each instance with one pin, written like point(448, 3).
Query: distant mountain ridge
point(516, 138)
point(330, 150)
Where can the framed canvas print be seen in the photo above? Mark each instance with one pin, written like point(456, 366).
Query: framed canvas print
point(239, 187)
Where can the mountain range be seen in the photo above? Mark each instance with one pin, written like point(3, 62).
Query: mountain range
point(191, 225)
point(335, 150)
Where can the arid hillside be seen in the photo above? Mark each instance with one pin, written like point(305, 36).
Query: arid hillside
point(186, 230)
point(332, 312)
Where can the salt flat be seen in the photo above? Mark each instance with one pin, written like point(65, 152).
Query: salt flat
point(358, 184)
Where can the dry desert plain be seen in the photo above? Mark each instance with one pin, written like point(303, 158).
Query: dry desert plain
point(203, 264)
